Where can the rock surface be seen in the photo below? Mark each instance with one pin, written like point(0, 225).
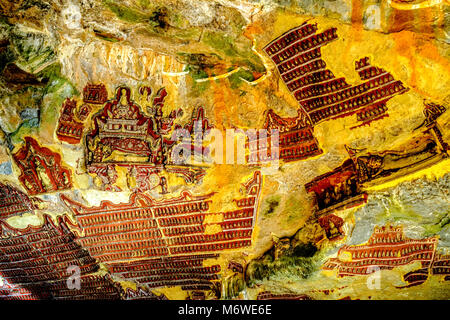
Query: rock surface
point(210, 56)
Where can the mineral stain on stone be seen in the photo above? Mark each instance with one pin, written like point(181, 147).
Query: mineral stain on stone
point(111, 113)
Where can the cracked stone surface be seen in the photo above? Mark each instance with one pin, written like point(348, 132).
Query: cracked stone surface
point(210, 54)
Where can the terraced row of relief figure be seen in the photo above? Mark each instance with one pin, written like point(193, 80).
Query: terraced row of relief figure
point(166, 243)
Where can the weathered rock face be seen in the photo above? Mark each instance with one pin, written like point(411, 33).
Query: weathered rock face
point(119, 173)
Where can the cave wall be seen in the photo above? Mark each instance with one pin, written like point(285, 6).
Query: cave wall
point(92, 94)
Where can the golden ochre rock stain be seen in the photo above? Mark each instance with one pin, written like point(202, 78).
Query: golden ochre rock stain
point(409, 44)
